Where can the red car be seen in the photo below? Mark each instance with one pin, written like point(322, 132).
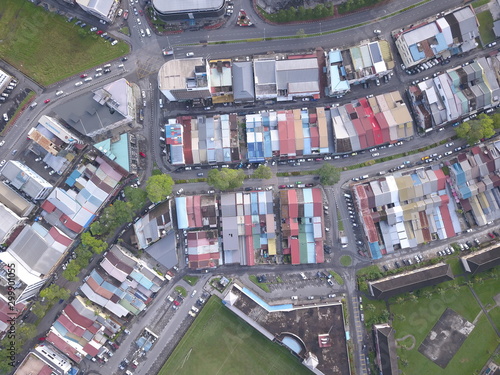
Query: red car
point(125, 15)
point(491, 235)
point(83, 76)
point(46, 101)
point(41, 338)
point(99, 32)
point(177, 303)
point(142, 154)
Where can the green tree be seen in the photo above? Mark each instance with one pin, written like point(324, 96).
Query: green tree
point(137, 197)
point(98, 229)
point(370, 307)
point(54, 292)
point(71, 272)
point(5, 360)
point(329, 175)
point(97, 246)
point(159, 187)
point(121, 213)
point(263, 172)
point(83, 255)
point(496, 120)
point(226, 178)
point(39, 309)
point(476, 129)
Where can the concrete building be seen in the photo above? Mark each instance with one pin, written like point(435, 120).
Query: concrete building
point(5, 79)
point(243, 83)
point(203, 249)
point(181, 10)
point(35, 253)
point(451, 34)
point(248, 227)
point(302, 225)
point(198, 211)
point(15, 202)
point(81, 331)
point(122, 284)
point(26, 180)
point(482, 260)
point(203, 140)
point(44, 359)
point(9, 221)
point(456, 94)
point(220, 80)
point(90, 186)
point(385, 349)
point(338, 84)
point(285, 77)
point(102, 9)
point(106, 108)
point(184, 80)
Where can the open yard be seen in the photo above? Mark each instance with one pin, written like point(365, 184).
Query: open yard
point(47, 48)
point(413, 318)
point(219, 342)
point(486, 26)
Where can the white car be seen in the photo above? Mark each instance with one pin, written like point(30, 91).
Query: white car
point(190, 54)
point(138, 21)
point(2, 143)
point(59, 93)
point(143, 94)
point(79, 83)
point(375, 154)
point(97, 75)
point(5, 117)
point(449, 144)
point(2, 163)
point(377, 31)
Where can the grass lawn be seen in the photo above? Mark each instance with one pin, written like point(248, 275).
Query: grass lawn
point(191, 280)
point(337, 277)
point(46, 47)
point(486, 26)
point(478, 3)
point(495, 316)
point(420, 317)
point(262, 286)
point(487, 290)
point(181, 291)
point(456, 265)
point(219, 342)
point(345, 260)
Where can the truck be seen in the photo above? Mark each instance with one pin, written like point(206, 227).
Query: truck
point(344, 241)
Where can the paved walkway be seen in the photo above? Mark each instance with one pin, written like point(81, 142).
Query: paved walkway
point(497, 331)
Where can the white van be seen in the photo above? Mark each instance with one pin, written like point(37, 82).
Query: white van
point(107, 66)
point(148, 32)
point(161, 103)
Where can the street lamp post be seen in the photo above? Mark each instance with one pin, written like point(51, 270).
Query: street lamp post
point(320, 27)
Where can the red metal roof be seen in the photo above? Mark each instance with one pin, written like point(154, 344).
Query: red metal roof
point(441, 179)
point(293, 206)
point(83, 321)
point(70, 224)
point(67, 349)
point(91, 350)
point(59, 237)
point(47, 206)
point(70, 326)
point(448, 224)
point(320, 254)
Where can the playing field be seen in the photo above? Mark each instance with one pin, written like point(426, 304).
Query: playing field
point(220, 343)
point(47, 48)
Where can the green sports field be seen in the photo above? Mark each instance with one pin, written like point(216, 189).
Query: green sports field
point(219, 342)
point(46, 47)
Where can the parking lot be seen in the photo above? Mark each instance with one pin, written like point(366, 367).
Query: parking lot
point(293, 284)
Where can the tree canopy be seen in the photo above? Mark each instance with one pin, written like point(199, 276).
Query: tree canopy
point(54, 292)
point(136, 196)
point(96, 245)
point(477, 129)
point(328, 174)
point(158, 187)
point(226, 179)
point(263, 172)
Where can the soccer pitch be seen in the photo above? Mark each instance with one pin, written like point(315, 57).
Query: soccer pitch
point(221, 343)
